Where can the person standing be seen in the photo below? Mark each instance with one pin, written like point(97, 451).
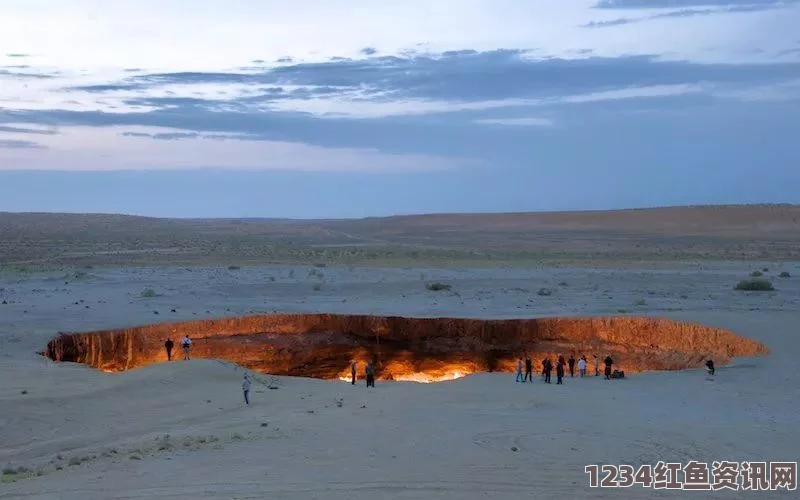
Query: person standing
point(353, 372)
point(187, 346)
point(596, 366)
point(560, 371)
point(582, 366)
point(571, 363)
point(710, 367)
point(528, 369)
point(168, 345)
point(519, 370)
point(370, 372)
point(246, 389)
point(608, 362)
point(548, 367)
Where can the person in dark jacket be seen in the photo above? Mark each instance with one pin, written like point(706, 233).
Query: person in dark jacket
point(528, 369)
point(548, 367)
point(370, 371)
point(560, 372)
point(544, 367)
point(168, 345)
point(353, 372)
point(608, 362)
point(571, 363)
point(710, 367)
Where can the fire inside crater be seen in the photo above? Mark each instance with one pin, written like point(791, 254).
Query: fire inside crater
point(406, 349)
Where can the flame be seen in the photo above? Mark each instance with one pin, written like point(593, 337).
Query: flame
point(420, 377)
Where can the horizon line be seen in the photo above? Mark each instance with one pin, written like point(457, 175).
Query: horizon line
point(420, 214)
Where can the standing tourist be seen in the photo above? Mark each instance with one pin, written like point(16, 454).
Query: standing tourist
point(582, 366)
point(168, 345)
point(246, 389)
point(187, 346)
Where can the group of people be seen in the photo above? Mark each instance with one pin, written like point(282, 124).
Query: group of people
point(186, 343)
point(369, 371)
point(547, 368)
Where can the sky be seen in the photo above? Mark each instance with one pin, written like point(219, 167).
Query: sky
point(355, 108)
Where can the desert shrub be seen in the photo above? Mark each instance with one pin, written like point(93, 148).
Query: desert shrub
point(756, 274)
point(317, 287)
point(766, 269)
point(437, 287)
point(544, 292)
point(755, 285)
point(148, 293)
point(234, 268)
point(785, 274)
point(640, 302)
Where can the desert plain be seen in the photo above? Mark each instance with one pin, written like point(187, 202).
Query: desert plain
point(181, 429)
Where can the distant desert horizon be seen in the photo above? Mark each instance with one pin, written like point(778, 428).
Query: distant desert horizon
point(590, 237)
point(653, 208)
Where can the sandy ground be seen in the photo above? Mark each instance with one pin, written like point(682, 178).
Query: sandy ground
point(181, 430)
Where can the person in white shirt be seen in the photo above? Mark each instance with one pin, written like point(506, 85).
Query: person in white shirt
point(187, 345)
point(246, 389)
point(582, 366)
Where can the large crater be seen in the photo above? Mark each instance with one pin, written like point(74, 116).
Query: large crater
point(418, 349)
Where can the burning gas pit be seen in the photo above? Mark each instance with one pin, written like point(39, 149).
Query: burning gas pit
point(406, 349)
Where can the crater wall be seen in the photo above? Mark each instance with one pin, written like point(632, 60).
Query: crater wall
point(422, 349)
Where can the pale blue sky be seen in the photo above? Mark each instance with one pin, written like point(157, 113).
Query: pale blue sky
point(357, 108)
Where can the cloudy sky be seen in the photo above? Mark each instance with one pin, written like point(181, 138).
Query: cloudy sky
point(349, 108)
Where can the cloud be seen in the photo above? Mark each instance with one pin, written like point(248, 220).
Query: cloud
point(393, 103)
point(517, 122)
point(414, 85)
point(27, 129)
point(136, 148)
point(672, 4)
point(173, 136)
point(8, 73)
point(613, 22)
point(723, 8)
point(19, 144)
